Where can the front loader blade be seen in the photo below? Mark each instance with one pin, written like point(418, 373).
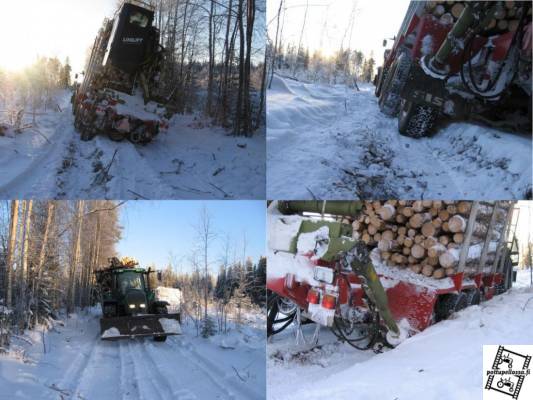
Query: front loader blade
point(140, 325)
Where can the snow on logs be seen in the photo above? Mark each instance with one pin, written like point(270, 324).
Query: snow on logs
point(427, 236)
point(506, 17)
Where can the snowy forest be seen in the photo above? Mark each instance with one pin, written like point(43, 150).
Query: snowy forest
point(215, 59)
point(32, 89)
point(48, 254)
point(346, 64)
point(50, 250)
point(213, 62)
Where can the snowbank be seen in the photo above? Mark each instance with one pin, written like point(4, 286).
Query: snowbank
point(443, 362)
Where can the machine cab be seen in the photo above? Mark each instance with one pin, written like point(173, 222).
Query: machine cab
point(130, 280)
point(133, 38)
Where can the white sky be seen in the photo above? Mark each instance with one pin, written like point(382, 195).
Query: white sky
point(49, 28)
point(327, 21)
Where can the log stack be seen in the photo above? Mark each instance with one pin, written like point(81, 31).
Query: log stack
point(505, 19)
point(427, 236)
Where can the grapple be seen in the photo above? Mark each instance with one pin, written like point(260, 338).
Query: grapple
point(156, 325)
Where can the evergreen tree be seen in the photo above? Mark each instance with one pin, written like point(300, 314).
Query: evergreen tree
point(65, 74)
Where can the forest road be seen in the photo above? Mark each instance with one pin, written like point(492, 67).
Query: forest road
point(79, 365)
point(333, 142)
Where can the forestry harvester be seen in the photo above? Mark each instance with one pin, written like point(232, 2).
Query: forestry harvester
point(125, 61)
point(129, 305)
point(328, 270)
point(461, 59)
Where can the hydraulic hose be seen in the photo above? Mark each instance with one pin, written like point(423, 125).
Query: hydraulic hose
point(481, 92)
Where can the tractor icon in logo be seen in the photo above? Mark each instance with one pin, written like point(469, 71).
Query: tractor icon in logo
point(506, 383)
point(506, 358)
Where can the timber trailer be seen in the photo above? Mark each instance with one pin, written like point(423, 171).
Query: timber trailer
point(125, 61)
point(341, 284)
point(468, 59)
point(129, 305)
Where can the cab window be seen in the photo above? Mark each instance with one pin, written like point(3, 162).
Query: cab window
point(130, 280)
point(138, 19)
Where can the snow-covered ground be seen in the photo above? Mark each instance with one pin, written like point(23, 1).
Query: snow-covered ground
point(332, 142)
point(188, 161)
point(78, 365)
point(441, 363)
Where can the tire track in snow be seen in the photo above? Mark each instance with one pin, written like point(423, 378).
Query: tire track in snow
point(23, 185)
point(76, 368)
point(213, 372)
point(181, 393)
point(127, 383)
point(146, 378)
point(132, 173)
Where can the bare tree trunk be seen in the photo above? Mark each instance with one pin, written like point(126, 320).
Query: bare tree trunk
point(11, 249)
point(211, 63)
point(300, 41)
point(238, 112)
point(275, 47)
point(225, 73)
point(40, 262)
point(22, 296)
point(250, 19)
point(75, 257)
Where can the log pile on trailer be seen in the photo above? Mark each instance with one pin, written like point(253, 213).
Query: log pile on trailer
point(448, 12)
point(434, 238)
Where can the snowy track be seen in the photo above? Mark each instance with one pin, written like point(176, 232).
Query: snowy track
point(78, 365)
point(188, 161)
point(331, 142)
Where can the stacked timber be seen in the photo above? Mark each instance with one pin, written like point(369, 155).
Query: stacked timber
point(427, 236)
point(506, 18)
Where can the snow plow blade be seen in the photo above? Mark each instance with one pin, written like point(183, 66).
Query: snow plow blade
point(140, 325)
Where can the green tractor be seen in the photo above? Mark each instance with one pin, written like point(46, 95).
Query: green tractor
point(129, 305)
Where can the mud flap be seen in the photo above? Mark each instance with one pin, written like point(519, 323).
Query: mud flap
point(140, 325)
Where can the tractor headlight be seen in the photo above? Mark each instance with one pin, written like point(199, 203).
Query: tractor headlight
point(142, 305)
point(132, 305)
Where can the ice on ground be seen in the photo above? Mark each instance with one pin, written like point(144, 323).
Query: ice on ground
point(332, 142)
point(443, 362)
point(170, 325)
point(189, 160)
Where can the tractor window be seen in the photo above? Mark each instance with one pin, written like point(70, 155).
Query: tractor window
point(138, 19)
point(130, 280)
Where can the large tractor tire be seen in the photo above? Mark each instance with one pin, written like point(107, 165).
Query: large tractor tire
point(115, 136)
point(161, 310)
point(448, 304)
point(473, 297)
point(416, 120)
point(395, 78)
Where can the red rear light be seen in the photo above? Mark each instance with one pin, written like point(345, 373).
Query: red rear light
point(313, 297)
point(329, 301)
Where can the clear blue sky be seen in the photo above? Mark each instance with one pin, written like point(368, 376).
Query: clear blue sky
point(155, 229)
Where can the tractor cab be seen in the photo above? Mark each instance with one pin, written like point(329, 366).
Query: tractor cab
point(133, 41)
